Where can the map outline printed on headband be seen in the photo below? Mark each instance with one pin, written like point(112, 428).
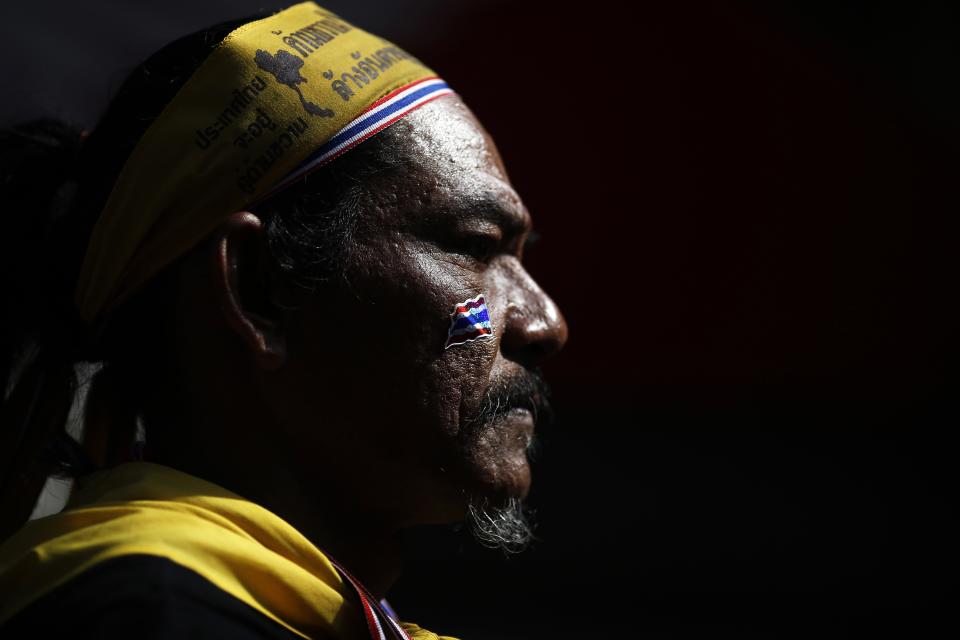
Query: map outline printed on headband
point(469, 321)
point(285, 69)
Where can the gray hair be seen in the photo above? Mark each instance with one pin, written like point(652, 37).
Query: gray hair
point(508, 527)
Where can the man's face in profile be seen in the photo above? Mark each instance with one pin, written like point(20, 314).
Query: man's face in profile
point(413, 431)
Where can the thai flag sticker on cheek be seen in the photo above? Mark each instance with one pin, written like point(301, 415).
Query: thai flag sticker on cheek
point(468, 322)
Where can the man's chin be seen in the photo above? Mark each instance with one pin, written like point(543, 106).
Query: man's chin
point(501, 484)
point(500, 461)
point(508, 526)
point(497, 514)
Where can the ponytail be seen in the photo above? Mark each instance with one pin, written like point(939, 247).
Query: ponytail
point(40, 332)
point(54, 181)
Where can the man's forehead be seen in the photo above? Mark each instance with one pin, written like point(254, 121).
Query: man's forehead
point(454, 152)
point(446, 132)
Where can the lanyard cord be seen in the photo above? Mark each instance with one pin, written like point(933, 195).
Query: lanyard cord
point(379, 622)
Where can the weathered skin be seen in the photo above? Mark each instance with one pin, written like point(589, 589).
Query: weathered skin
point(343, 412)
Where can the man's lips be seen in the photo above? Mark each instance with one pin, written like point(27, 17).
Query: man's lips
point(520, 413)
point(520, 398)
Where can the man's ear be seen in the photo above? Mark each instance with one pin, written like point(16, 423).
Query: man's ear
point(243, 286)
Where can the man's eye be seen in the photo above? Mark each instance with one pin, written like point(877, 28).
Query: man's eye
point(481, 248)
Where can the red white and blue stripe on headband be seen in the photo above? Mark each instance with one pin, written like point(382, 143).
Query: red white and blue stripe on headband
point(469, 321)
point(378, 116)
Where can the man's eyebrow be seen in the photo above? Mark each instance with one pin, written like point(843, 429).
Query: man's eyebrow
point(499, 211)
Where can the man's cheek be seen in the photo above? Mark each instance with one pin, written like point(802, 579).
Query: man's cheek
point(472, 361)
point(469, 322)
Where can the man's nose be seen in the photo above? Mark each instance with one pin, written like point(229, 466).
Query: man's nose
point(534, 326)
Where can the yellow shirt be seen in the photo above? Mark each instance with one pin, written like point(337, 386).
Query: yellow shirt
point(241, 548)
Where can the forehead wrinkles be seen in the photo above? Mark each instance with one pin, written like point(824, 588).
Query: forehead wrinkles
point(460, 161)
point(440, 158)
point(449, 140)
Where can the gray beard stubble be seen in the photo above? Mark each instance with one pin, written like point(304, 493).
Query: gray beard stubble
point(508, 526)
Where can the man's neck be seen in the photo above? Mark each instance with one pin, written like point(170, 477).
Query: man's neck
point(367, 549)
point(228, 448)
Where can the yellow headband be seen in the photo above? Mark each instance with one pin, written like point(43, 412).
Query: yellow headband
point(277, 98)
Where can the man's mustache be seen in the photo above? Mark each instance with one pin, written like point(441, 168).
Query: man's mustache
point(524, 390)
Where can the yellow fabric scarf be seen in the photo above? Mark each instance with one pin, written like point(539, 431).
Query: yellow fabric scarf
point(145, 508)
point(262, 102)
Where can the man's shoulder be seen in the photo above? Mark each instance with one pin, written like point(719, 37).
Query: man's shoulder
point(142, 596)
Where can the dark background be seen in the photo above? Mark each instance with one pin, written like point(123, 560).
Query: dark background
point(748, 214)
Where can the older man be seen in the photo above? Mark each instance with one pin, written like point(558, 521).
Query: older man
point(304, 284)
